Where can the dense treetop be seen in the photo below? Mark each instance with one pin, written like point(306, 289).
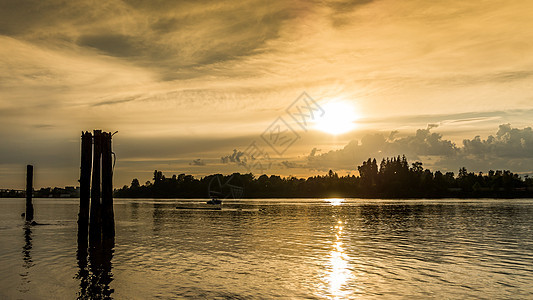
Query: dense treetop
point(391, 178)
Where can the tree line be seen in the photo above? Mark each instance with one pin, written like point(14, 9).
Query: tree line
point(391, 178)
point(57, 192)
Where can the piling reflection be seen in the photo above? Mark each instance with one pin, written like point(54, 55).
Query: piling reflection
point(83, 272)
point(94, 257)
point(26, 258)
point(95, 270)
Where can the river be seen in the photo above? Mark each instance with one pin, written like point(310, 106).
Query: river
point(276, 248)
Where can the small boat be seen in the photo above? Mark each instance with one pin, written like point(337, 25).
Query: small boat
point(214, 201)
point(213, 204)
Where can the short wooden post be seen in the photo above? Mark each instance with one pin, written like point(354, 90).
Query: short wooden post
point(108, 223)
point(95, 229)
point(29, 193)
point(85, 187)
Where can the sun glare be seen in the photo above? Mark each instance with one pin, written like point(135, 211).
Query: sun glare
point(335, 201)
point(339, 118)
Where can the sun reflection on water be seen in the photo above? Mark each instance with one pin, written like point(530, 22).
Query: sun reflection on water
point(339, 272)
point(335, 201)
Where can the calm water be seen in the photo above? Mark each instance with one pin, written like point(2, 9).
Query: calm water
point(287, 248)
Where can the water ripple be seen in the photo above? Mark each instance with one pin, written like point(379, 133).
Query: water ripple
point(282, 248)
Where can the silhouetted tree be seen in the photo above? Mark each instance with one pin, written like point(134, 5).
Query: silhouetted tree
point(135, 183)
point(393, 178)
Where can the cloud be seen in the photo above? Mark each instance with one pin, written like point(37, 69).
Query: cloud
point(314, 151)
point(341, 10)
point(235, 157)
point(43, 126)
point(197, 162)
point(508, 142)
point(510, 147)
point(175, 38)
point(113, 44)
point(290, 165)
point(422, 143)
point(347, 6)
point(117, 101)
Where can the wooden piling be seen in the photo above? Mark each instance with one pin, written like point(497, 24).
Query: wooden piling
point(85, 188)
point(95, 229)
point(108, 223)
point(94, 261)
point(29, 193)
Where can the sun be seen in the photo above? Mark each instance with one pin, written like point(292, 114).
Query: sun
point(339, 118)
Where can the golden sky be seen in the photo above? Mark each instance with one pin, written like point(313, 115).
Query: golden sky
point(187, 82)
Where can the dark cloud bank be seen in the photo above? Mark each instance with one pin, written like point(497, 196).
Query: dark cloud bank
point(177, 39)
point(510, 148)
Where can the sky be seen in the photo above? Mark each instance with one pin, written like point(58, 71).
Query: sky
point(194, 86)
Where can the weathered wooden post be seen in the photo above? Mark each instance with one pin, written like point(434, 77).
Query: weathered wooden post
point(95, 273)
point(85, 188)
point(95, 228)
point(29, 193)
point(108, 217)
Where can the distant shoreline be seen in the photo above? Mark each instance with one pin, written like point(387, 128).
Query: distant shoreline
point(393, 178)
point(318, 198)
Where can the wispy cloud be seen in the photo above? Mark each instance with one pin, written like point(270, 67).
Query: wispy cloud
point(111, 102)
point(197, 162)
